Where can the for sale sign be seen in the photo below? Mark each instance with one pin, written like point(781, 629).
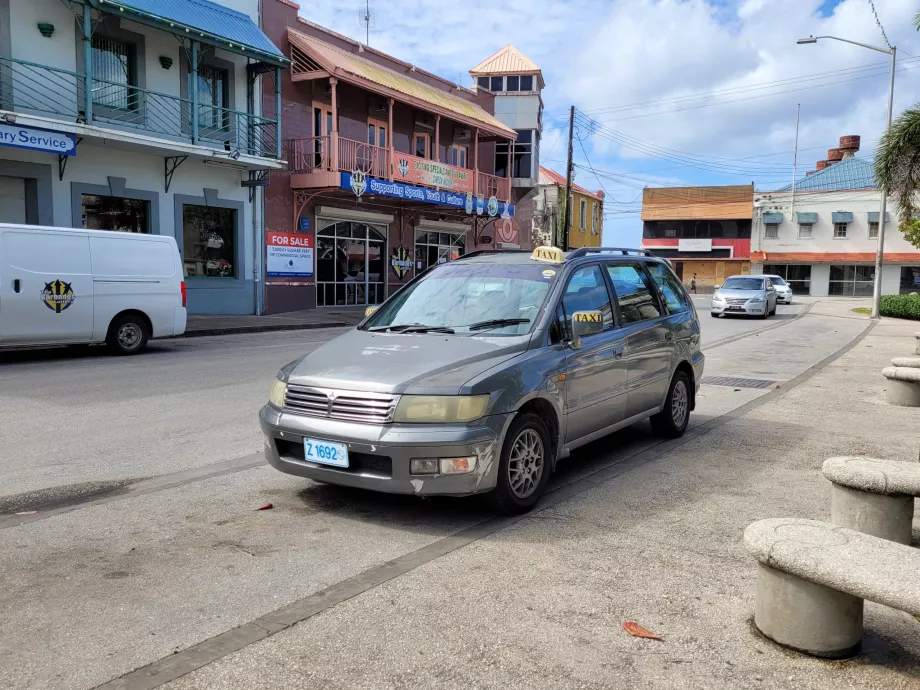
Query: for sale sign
point(289, 254)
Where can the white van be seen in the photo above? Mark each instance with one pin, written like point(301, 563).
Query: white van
point(63, 286)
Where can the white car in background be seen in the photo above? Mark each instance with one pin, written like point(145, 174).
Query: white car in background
point(783, 291)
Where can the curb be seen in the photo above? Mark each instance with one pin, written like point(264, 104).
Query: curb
point(234, 330)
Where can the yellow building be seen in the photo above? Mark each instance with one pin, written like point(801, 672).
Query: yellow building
point(587, 212)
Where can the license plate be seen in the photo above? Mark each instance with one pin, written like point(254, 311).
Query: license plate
point(736, 309)
point(325, 452)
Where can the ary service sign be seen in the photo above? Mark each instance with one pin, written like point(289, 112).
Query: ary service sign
point(61, 143)
point(289, 254)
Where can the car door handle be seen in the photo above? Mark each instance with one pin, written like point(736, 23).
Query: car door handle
point(16, 285)
point(618, 353)
point(669, 336)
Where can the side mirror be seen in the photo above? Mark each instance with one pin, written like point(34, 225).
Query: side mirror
point(718, 286)
point(585, 323)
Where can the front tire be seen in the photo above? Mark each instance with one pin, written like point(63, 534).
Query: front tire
point(128, 335)
point(672, 421)
point(524, 467)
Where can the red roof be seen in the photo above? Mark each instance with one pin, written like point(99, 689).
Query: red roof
point(548, 176)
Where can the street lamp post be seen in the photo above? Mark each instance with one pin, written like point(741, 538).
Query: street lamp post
point(880, 251)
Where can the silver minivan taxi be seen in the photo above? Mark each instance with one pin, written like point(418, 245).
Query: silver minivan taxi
point(482, 373)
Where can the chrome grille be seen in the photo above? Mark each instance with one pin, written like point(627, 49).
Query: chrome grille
point(736, 302)
point(349, 406)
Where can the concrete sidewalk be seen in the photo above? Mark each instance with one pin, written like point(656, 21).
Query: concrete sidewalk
point(202, 325)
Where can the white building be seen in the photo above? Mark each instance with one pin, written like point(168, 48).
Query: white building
point(823, 238)
point(143, 116)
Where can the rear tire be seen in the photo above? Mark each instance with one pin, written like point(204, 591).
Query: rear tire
point(672, 421)
point(524, 466)
point(128, 335)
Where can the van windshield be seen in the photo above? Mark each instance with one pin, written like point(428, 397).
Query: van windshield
point(495, 299)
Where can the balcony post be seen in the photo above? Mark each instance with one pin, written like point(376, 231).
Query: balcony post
point(278, 113)
point(437, 138)
point(508, 169)
point(193, 87)
point(475, 161)
point(391, 151)
point(334, 135)
point(87, 64)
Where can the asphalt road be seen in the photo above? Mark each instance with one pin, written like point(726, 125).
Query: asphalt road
point(103, 579)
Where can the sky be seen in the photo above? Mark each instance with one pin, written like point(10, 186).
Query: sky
point(670, 92)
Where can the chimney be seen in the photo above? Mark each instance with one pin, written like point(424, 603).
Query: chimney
point(849, 145)
point(834, 155)
point(600, 194)
point(820, 165)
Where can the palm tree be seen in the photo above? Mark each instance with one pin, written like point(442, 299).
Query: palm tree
point(897, 167)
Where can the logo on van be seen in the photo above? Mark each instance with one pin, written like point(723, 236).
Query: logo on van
point(57, 295)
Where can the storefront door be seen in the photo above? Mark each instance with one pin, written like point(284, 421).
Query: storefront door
point(350, 269)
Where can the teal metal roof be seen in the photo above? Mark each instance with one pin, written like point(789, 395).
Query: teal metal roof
point(806, 217)
point(852, 173)
point(873, 217)
point(841, 217)
point(201, 20)
point(773, 218)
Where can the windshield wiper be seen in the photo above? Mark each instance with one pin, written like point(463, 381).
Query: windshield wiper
point(411, 328)
point(496, 323)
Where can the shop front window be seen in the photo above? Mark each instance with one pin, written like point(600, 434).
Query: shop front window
point(910, 279)
point(797, 275)
point(115, 213)
point(851, 281)
point(350, 266)
point(432, 248)
point(209, 241)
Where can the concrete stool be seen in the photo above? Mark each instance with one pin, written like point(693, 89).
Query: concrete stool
point(812, 579)
point(903, 387)
point(874, 496)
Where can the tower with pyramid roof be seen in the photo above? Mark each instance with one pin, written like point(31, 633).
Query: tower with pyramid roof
point(517, 82)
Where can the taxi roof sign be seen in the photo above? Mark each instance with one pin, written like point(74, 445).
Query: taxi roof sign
point(551, 254)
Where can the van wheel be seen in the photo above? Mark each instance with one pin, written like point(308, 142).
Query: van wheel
point(524, 467)
point(128, 335)
point(672, 421)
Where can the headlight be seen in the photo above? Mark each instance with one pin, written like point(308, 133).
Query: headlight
point(440, 408)
point(717, 298)
point(276, 395)
point(756, 299)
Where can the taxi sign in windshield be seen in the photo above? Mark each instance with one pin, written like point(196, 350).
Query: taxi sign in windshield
point(553, 254)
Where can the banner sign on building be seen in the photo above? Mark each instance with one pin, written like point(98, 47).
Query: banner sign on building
point(424, 171)
point(289, 254)
point(694, 245)
point(61, 143)
point(410, 192)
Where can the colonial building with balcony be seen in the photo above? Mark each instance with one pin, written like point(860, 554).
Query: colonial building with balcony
point(391, 169)
point(143, 116)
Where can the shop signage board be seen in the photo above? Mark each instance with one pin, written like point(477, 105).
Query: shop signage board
point(398, 190)
point(289, 254)
point(400, 262)
point(304, 223)
point(417, 170)
point(694, 245)
point(61, 143)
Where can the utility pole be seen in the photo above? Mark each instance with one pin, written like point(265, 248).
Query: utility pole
point(795, 159)
point(568, 186)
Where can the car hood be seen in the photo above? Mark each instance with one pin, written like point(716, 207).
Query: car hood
point(738, 294)
point(421, 363)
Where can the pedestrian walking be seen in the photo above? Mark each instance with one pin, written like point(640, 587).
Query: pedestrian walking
point(693, 284)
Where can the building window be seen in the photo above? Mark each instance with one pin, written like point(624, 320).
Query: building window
point(457, 156)
point(873, 230)
point(496, 84)
point(512, 83)
point(840, 231)
point(376, 133)
point(422, 144)
point(910, 279)
point(522, 157)
point(771, 231)
point(209, 241)
point(213, 97)
point(582, 214)
point(594, 217)
point(114, 73)
point(797, 275)
point(527, 83)
point(851, 281)
point(115, 213)
point(350, 264)
point(432, 248)
point(482, 82)
point(805, 231)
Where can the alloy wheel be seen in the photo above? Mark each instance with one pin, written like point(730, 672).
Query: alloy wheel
point(526, 463)
point(679, 400)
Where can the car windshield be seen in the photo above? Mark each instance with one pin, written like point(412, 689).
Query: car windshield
point(776, 280)
point(486, 298)
point(743, 284)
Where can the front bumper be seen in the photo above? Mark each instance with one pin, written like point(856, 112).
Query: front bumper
point(379, 455)
point(757, 309)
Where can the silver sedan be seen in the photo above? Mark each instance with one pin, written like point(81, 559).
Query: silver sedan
point(745, 296)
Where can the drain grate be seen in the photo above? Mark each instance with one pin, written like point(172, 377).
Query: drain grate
point(733, 382)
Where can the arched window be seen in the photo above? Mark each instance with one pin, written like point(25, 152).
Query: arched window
point(350, 264)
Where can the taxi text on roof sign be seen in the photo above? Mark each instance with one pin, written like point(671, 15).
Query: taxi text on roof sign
point(553, 254)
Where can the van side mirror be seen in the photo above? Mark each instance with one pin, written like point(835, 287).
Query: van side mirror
point(585, 323)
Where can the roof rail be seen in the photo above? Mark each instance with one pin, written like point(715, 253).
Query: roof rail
point(481, 252)
point(584, 251)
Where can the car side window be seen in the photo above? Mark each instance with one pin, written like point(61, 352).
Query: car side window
point(586, 291)
point(675, 297)
point(634, 291)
